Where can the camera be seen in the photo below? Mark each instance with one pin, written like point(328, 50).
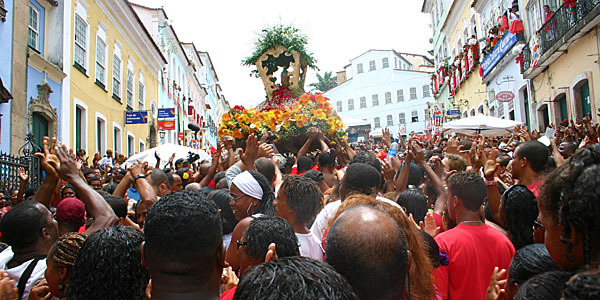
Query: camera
point(192, 157)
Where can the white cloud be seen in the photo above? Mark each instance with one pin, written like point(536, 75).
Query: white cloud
point(337, 32)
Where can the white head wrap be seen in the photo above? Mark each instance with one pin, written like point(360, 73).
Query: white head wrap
point(248, 185)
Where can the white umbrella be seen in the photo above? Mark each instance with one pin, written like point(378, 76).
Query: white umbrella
point(164, 152)
point(486, 125)
point(349, 122)
point(377, 133)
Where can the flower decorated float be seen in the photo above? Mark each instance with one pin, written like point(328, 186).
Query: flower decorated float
point(281, 61)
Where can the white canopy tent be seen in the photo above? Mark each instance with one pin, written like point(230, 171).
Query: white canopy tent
point(376, 133)
point(485, 125)
point(350, 122)
point(164, 152)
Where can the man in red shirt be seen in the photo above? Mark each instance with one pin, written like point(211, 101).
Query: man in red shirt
point(528, 164)
point(473, 248)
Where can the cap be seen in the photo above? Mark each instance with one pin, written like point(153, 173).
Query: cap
point(314, 175)
point(70, 209)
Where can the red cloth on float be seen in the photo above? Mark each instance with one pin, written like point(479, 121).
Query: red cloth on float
point(516, 27)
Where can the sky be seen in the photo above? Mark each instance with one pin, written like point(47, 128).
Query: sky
point(337, 32)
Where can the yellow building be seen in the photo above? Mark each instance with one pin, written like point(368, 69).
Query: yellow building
point(115, 68)
point(459, 26)
point(562, 59)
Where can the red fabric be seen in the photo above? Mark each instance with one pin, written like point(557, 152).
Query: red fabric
point(548, 16)
point(212, 184)
point(294, 170)
point(516, 27)
point(438, 221)
point(228, 294)
point(536, 187)
point(504, 23)
point(473, 252)
point(324, 240)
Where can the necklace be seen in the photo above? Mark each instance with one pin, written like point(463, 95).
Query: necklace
point(465, 222)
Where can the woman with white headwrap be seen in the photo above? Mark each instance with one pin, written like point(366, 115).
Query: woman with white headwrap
point(251, 196)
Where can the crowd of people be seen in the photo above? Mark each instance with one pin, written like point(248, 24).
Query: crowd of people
point(452, 217)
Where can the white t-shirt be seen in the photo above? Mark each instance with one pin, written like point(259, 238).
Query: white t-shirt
point(106, 161)
point(322, 220)
point(15, 273)
point(310, 246)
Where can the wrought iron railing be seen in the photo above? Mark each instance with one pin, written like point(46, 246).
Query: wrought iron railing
point(562, 21)
point(526, 58)
point(10, 164)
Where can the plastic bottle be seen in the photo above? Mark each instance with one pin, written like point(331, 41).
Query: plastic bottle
point(393, 151)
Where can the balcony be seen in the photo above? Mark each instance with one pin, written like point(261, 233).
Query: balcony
point(556, 35)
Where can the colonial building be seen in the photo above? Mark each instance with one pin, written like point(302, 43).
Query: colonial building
point(210, 81)
point(387, 88)
point(6, 24)
point(115, 77)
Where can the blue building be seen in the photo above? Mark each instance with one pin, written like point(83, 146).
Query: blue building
point(6, 24)
point(210, 81)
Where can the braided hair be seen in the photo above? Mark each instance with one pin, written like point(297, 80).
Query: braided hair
point(570, 197)
point(66, 248)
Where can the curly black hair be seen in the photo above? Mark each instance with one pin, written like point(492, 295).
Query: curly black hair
point(415, 202)
point(266, 203)
point(327, 158)
point(181, 229)
point(294, 278)
point(570, 197)
point(362, 179)
point(530, 261)
point(367, 158)
point(469, 187)
point(263, 231)
point(108, 266)
point(302, 195)
point(545, 286)
point(520, 207)
point(118, 204)
point(584, 286)
point(21, 226)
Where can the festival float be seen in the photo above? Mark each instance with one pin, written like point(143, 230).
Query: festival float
point(281, 61)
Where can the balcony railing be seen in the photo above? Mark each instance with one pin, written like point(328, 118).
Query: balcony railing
point(526, 57)
point(559, 24)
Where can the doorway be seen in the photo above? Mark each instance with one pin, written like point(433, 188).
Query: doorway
point(39, 129)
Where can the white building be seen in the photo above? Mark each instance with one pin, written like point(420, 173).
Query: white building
point(387, 88)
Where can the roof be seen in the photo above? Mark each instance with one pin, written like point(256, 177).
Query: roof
point(195, 51)
point(212, 66)
point(137, 18)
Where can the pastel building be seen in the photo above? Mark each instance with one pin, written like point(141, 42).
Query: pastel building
point(386, 88)
point(6, 24)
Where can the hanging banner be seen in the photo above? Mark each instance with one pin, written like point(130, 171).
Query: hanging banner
point(505, 44)
point(166, 125)
point(136, 117)
point(166, 113)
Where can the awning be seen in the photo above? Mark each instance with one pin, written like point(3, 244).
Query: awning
point(486, 125)
point(4, 93)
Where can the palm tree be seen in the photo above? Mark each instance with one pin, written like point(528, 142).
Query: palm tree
point(326, 82)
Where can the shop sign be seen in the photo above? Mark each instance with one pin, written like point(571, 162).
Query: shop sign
point(503, 46)
point(136, 117)
point(505, 96)
point(166, 125)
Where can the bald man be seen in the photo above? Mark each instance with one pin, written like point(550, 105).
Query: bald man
point(369, 249)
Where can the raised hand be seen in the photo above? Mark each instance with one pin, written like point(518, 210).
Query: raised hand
point(429, 225)
point(494, 292)
point(387, 137)
point(67, 168)
point(452, 147)
point(40, 291)
point(388, 172)
point(48, 156)
point(24, 175)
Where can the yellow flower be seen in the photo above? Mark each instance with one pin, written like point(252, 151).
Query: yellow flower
point(320, 114)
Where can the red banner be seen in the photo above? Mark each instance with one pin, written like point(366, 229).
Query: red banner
point(166, 125)
point(181, 136)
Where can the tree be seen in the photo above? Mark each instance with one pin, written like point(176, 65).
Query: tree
point(326, 82)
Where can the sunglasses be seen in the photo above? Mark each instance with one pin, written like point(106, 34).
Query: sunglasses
point(241, 244)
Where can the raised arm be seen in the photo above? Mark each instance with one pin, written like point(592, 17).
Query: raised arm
point(44, 194)
point(402, 179)
point(95, 204)
point(493, 194)
point(212, 170)
point(24, 176)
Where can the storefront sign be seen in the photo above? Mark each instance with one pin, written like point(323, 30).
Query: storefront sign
point(453, 113)
point(505, 96)
point(181, 136)
point(166, 125)
point(165, 113)
point(136, 117)
point(503, 46)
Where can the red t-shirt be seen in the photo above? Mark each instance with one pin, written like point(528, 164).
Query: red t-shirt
point(228, 294)
point(473, 252)
point(535, 187)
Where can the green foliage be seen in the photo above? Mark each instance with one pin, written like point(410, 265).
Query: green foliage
point(283, 35)
point(326, 82)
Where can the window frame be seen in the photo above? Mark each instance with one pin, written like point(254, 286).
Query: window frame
point(359, 68)
point(350, 104)
point(77, 45)
point(400, 95)
point(141, 97)
point(363, 102)
point(385, 63)
point(402, 118)
point(36, 30)
point(377, 122)
point(388, 97)
point(426, 91)
point(389, 120)
point(375, 100)
point(101, 39)
point(413, 96)
point(412, 116)
point(117, 77)
point(372, 65)
point(339, 106)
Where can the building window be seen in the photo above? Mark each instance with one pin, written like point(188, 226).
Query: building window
point(117, 77)
point(117, 140)
point(402, 118)
point(480, 109)
point(414, 116)
point(363, 102)
point(425, 91)
point(100, 135)
point(385, 63)
point(372, 65)
point(339, 106)
point(375, 100)
point(130, 145)
point(413, 93)
point(388, 97)
point(129, 89)
point(350, 104)
point(359, 68)
point(100, 62)
point(377, 122)
point(80, 49)
point(33, 39)
point(400, 95)
point(80, 127)
point(390, 120)
point(426, 114)
point(142, 146)
point(141, 93)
